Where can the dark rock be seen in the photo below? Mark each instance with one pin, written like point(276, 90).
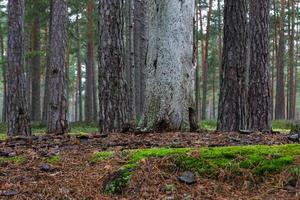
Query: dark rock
point(293, 137)
point(10, 193)
point(188, 177)
point(4, 154)
point(45, 167)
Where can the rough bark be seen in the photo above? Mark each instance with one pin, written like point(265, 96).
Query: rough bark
point(140, 52)
point(169, 82)
point(232, 102)
point(89, 113)
point(36, 71)
point(205, 63)
point(57, 110)
point(113, 97)
point(291, 63)
point(280, 97)
point(78, 109)
point(17, 110)
point(259, 95)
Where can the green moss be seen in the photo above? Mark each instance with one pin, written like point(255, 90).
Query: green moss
point(17, 160)
point(295, 171)
point(210, 125)
point(258, 159)
point(120, 180)
point(96, 157)
point(53, 160)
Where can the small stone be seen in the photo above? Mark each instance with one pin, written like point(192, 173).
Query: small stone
point(45, 168)
point(4, 154)
point(188, 177)
point(10, 193)
point(294, 137)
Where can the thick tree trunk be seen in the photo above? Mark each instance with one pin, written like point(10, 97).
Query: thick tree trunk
point(89, 113)
point(17, 111)
point(205, 63)
point(232, 102)
point(57, 110)
point(113, 97)
point(259, 99)
point(36, 71)
point(170, 101)
point(280, 97)
point(79, 83)
point(140, 52)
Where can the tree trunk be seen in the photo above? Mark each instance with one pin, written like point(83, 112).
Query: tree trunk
point(274, 57)
point(169, 84)
point(291, 63)
point(232, 102)
point(280, 97)
point(17, 112)
point(3, 74)
point(259, 99)
point(36, 71)
point(140, 52)
point(57, 110)
point(89, 113)
point(205, 62)
point(113, 92)
point(79, 83)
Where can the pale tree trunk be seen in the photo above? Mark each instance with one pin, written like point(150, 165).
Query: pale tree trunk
point(274, 57)
point(17, 110)
point(280, 97)
point(57, 110)
point(140, 52)
point(36, 70)
point(170, 101)
point(232, 102)
point(113, 93)
point(3, 74)
point(259, 96)
point(89, 112)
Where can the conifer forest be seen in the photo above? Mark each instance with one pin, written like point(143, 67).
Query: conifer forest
point(150, 99)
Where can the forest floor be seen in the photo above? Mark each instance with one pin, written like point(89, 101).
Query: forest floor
point(207, 165)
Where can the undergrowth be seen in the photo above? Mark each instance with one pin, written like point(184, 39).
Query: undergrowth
point(17, 160)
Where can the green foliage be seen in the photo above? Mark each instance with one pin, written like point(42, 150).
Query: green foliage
point(53, 160)
point(17, 160)
point(96, 157)
point(260, 160)
point(282, 126)
point(210, 125)
point(119, 182)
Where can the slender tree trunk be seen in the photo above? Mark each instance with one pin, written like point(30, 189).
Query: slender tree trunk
point(197, 78)
point(291, 63)
point(232, 103)
point(36, 71)
point(169, 90)
point(3, 74)
point(79, 83)
point(205, 62)
point(113, 91)
point(274, 58)
point(259, 99)
point(17, 111)
point(280, 97)
point(89, 114)
point(57, 110)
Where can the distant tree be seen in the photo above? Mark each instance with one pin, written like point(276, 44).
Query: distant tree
point(57, 110)
point(169, 102)
point(280, 97)
point(233, 91)
point(113, 93)
point(259, 99)
point(17, 111)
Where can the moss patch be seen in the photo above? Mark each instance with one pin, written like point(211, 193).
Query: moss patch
point(53, 160)
point(96, 157)
point(260, 160)
point(17, 160)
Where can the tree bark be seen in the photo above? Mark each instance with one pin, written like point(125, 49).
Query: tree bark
point(170, 99)
point(205, 62)
point(36, 70)
point(57, 110)
point(17, 110)
point(3, 61)
point(259, 95)
point(232, 102)
point(280, 97)
point(113, 97)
